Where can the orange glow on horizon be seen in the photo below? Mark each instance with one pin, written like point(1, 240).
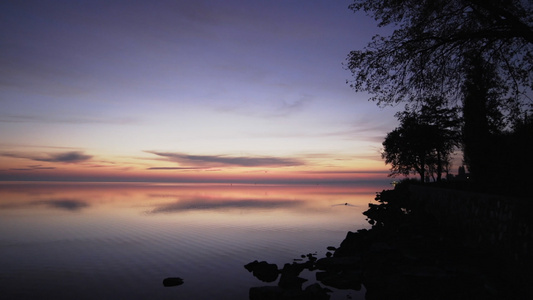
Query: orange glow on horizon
point(16, 169)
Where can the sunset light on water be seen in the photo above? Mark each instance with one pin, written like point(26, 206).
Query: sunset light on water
point(89, 240)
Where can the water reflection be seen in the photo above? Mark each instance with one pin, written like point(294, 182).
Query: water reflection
point(72, 205)
point(167, 198)
point(65, 204)
point(137, 234)
point(221, 204)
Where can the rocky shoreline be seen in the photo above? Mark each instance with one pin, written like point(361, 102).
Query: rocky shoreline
point(405, 255)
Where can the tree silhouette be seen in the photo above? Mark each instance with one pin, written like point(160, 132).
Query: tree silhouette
point(426, 53)
point(483, 119)
point(404, 149)
point(424, 140)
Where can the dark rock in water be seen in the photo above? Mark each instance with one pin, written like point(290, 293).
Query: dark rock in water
point(312, 292)
point(298, 259)
point(315, 292)
point(172, 281)
point(347, 279)
point(293, 269)
point(251, 266)
point(331, 263)
point(289, 276)
point(263, 271)
point(354, 243)
point(328, 254)
point(291, 282)
point(265, 293)
point(331, 248)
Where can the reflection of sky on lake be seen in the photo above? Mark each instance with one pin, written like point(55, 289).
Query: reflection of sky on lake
point(203, 204)
point(140, 233)
point(62, 204)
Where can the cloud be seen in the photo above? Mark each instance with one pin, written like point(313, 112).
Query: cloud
point(218, 160)
point(65, 120)
point(67, 157)
point(64, 157)
point(349, 172)
point(282, 108)
point(288, 108)
point(32, 168)
point(173, 168)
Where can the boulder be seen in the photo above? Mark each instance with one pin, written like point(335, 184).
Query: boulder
point(289, 276)
point(263, 271)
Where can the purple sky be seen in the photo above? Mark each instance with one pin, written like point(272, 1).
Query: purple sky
point(155, 87)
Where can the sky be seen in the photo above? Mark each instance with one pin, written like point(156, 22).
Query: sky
point(186, 91)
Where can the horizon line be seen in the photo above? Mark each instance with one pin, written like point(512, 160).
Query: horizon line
point(252, 182)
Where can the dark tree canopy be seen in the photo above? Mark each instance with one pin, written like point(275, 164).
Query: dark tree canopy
point(423, 142)
point(427, 52)
point(482, 119)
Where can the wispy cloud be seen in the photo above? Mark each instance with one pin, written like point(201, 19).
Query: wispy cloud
point(63, 157)
point(32, 168)
point(223, 160)
point(283, 108)
point(173, 168)
point(66, 120)
point(354, 172)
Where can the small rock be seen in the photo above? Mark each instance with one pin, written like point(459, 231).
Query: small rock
point(172, 281)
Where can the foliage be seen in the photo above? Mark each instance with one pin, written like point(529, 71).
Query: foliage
point(426, 53)
point(393, 208)
point(483, 119)
point(424, 140)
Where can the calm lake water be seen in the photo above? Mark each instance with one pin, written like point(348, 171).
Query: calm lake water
point(119, 241)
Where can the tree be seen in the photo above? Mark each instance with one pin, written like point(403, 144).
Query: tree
point(424, 140)
point(425, 54)
point(483, 119)
point(445, 135)
point(407, 148)
point(403, 150)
